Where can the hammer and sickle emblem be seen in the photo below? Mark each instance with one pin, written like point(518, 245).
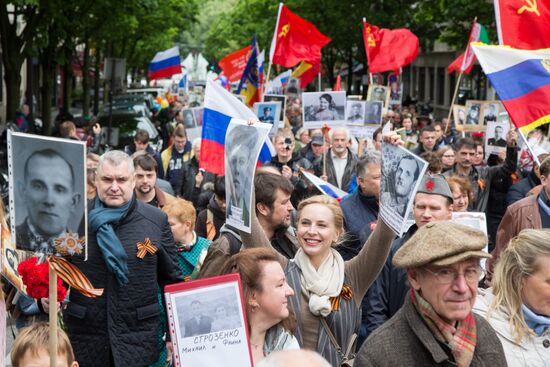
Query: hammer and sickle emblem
point(531, 7)
point(284, 30)
point(546, 64)
point(371, 41)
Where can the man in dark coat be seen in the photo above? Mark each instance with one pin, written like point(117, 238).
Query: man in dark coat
point(520, 189)
point(433, 202)
point(361, 208)
point(131, 254)
point(436, 325)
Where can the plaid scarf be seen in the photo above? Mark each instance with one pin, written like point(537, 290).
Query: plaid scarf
point(460, 339)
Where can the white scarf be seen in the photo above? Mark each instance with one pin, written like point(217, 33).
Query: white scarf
point(319, 285)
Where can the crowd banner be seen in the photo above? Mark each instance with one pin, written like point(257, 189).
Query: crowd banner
point(207, 323)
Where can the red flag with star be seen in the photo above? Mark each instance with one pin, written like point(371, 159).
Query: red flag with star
point(295, 39)
point(389, 50)
point(523, 24)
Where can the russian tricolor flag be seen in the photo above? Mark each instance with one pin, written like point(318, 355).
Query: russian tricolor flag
point(521, 79)
point(325, 187)
point(220, 107)
point(165, 64)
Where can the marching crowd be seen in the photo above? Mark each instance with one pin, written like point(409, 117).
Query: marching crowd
point(317, 274)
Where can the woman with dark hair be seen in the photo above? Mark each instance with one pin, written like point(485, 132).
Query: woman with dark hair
point(327, 109)
point(265, 290)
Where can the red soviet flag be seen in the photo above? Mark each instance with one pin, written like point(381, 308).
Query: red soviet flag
point(389, 50)
point(295, 39)
point(233, 64)
point(523, 24)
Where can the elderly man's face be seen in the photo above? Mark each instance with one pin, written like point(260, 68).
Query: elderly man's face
point(453, 301)
point(404, 176)
point(239, 163)
point(115, 184)
point(49, 194)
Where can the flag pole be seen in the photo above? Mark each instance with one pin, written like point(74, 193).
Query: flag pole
point(453, 101)
point(272, 48)
point(266, 80)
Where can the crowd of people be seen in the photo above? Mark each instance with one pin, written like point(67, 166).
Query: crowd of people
point(318, 275)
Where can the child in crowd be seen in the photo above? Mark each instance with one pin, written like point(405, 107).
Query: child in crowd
point(31, 348)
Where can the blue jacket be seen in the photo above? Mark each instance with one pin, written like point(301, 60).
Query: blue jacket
point(520, 189)
point(359, 211)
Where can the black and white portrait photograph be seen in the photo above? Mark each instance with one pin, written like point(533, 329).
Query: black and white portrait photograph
point(495, 137)
point(396, 91)
point(277, 98)
point(321, 108)
point(243, 143)
point(401, 173)
point(459, 114)
point(379, 93)
point(189, 118)
point(269, 113)
point(293, 87)
point(490, 111)
point(208, 322)
point(473, 114)
point(373, 112)
point(47, 191)
point(355, 112)
point(198, 111)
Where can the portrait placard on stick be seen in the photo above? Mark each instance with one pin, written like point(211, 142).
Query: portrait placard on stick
point(207, 322)
point(321, 108)
point(277, 98)
point(269, 112)
point(48, 194)
point(243, 143)
point(401, 174)
point(379, 93)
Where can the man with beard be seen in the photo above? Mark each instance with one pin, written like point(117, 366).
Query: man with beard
point(341, 161)
point(146, 182)
point(273, 210)
point(481, 177)
point(173, 158)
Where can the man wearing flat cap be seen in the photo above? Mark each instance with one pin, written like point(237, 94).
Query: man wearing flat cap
point(436, 326)
point(433, 202)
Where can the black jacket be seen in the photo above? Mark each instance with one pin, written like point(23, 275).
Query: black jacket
point(217, 215)
point(387, 294)
point(124, 321)
point(188, 190)
point(331, 173)
point(520, 189)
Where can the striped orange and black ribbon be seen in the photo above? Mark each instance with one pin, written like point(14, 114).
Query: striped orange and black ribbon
point(346, 294)
point(145, 247)
point(71, 275)
point(210, 231)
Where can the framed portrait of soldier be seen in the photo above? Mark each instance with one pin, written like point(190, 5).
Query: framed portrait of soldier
point(243, 143)
point(373, 113)
point(47, 194)
point(189, 118)
point(459, 114)
point(207, 322)
point(379, 93)
point(269, 112)
point(197, 113)
point(473, 120)
point(320, 108)
point(293, 87)
point(401, 174)
point(396, 91)
point(495, 137)
point(277, 98)
point(355, 112)
point(490, 111)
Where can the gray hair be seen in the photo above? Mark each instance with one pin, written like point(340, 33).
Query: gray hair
point(196, 141)
point(339, 129)
point(299, 356)
point(370, 157)
point(116, 158)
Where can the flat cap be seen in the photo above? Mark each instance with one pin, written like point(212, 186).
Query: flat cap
point(435, 185)
point(317, 140)
point(441, 244)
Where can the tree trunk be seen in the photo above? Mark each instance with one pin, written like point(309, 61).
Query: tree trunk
point(48, 67)
point(13, 92)
point(350, 71)
point(86, 80)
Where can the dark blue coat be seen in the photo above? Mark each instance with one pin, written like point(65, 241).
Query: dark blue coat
point(520, 189)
